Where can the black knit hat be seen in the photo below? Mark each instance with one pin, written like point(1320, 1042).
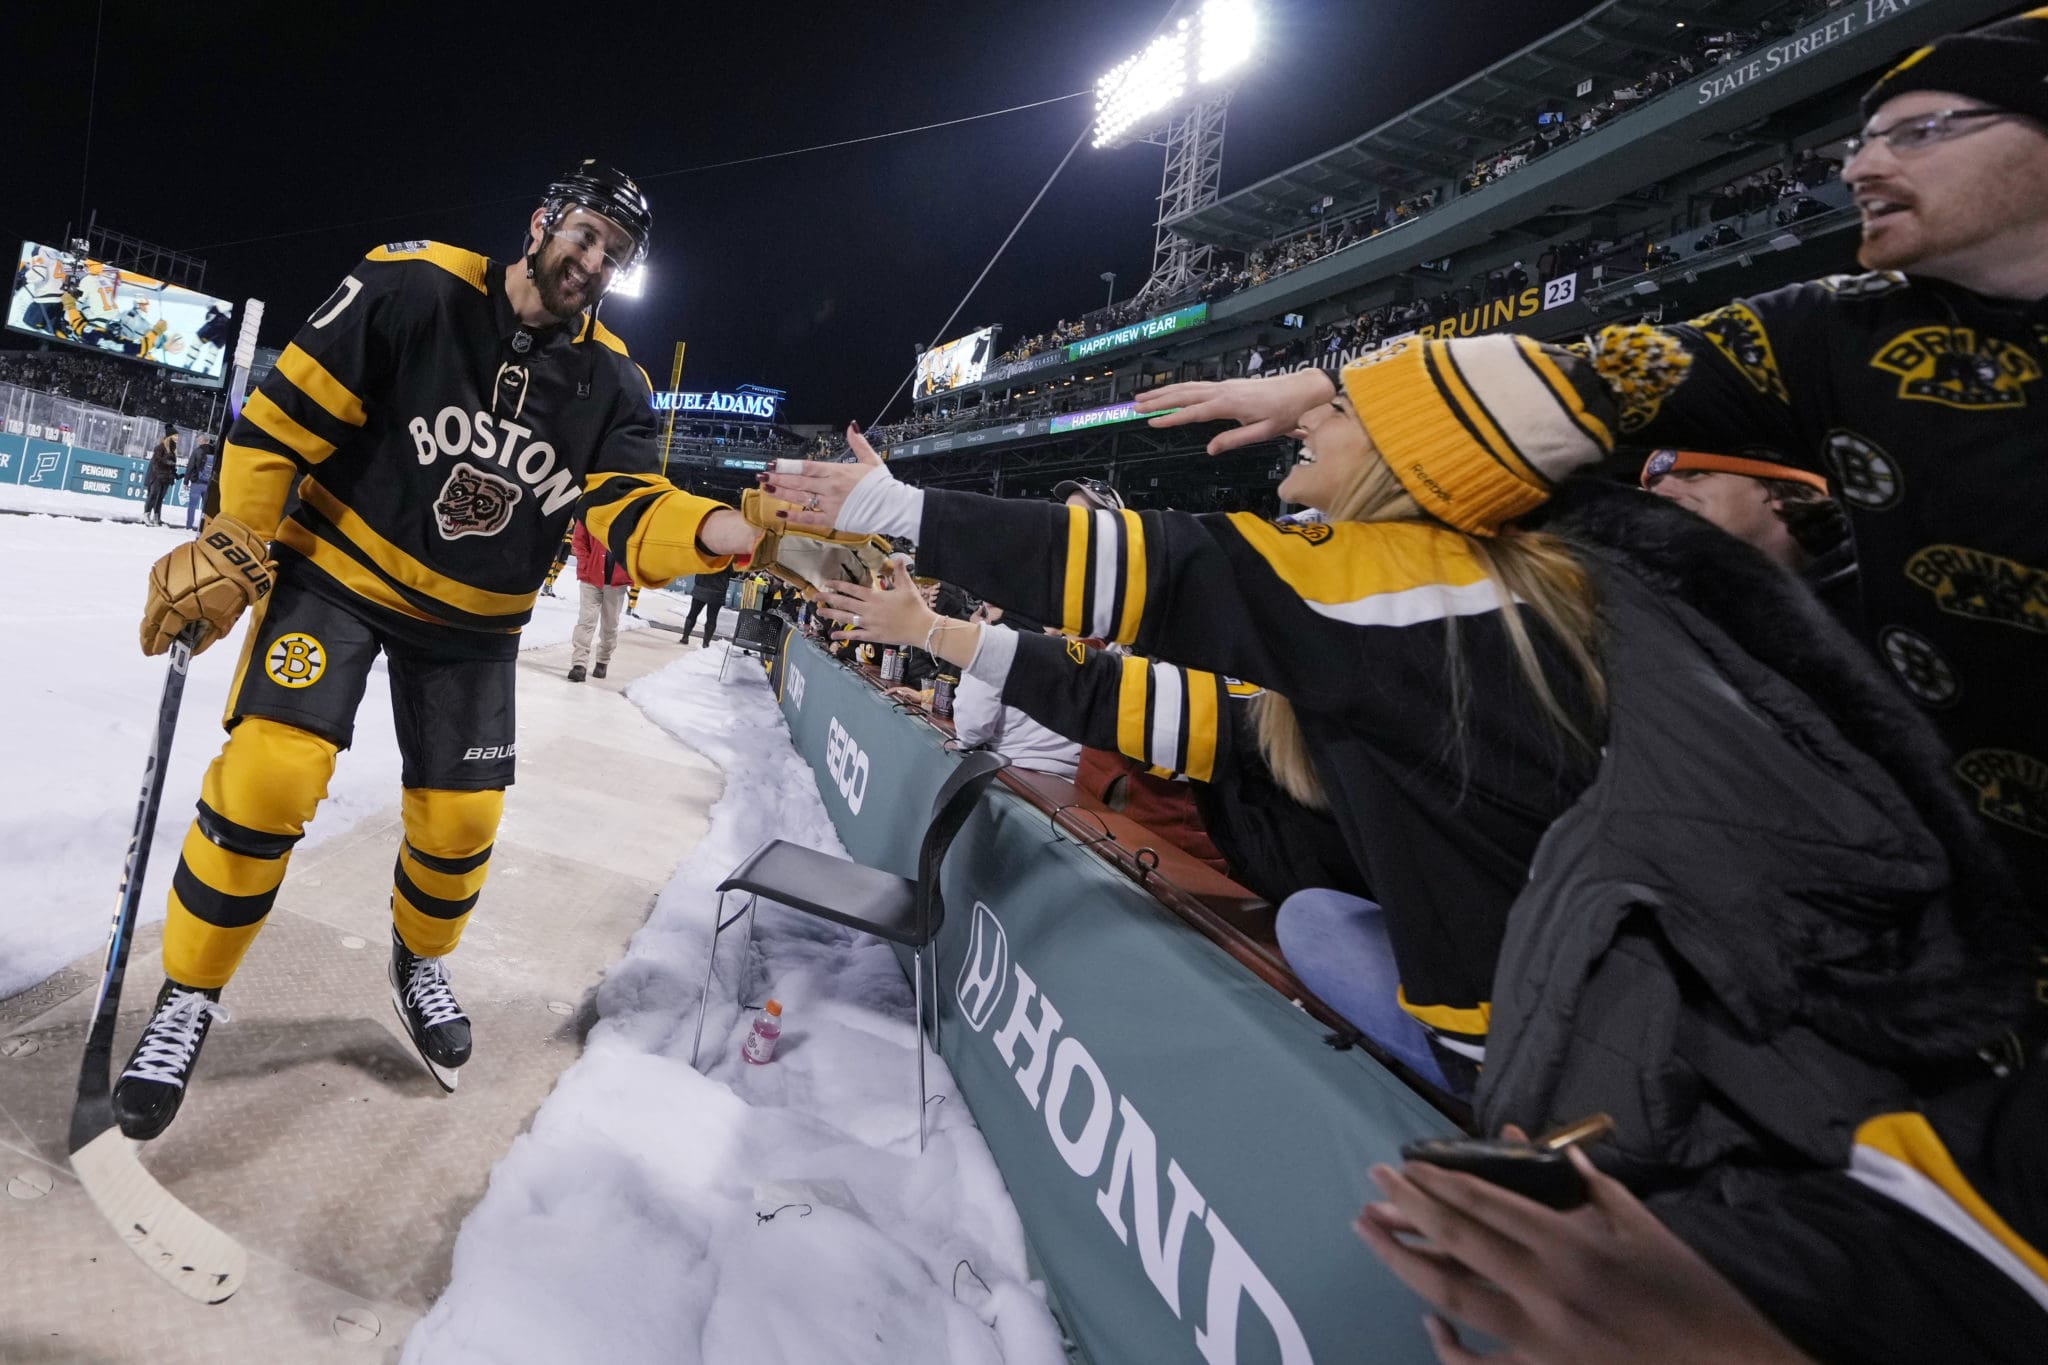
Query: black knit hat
point(2003, 64)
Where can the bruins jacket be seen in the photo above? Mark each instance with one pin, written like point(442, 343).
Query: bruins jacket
point(1358, 625)
point(418, 453)
point(1923, 405)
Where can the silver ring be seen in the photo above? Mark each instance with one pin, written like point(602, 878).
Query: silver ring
point(812, 504)
point(853, 621)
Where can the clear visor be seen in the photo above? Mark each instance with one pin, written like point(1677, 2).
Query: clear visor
point(592, 237)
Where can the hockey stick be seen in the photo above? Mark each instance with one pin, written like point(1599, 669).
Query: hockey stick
point(193, 1256)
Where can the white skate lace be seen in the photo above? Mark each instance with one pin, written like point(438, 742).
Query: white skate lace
point(173, 1036)
point(426, 990)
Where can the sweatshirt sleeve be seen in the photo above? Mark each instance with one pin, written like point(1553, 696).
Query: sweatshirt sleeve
point(1230, 594)
point(1746, 376)
point(1177, 720)
point(312, 402)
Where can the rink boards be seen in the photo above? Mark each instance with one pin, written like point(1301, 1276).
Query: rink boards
point(1185, 1151)
point(35, 462)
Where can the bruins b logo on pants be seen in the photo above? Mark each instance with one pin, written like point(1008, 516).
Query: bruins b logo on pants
point(295, 660)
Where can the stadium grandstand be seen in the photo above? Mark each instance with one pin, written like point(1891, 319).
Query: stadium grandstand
point(1617, 169)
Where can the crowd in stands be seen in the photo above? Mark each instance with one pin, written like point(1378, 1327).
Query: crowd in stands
point(132, 389)
point(1554, 127)
point(1063, 332)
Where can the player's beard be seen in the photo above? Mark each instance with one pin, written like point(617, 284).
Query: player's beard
point(551, 281)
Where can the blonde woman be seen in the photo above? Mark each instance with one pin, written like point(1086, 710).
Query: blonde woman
point(1442, 732)
point(1651, 834)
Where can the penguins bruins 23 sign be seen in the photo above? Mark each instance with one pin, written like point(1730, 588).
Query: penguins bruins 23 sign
point(295, 660)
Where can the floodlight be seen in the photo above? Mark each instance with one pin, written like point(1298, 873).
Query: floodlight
point(629, 284)
point(1197, 53)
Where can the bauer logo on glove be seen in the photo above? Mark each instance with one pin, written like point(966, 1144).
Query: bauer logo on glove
point(207, 582)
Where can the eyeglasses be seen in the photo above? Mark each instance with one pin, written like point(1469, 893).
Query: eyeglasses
point(1914, 134)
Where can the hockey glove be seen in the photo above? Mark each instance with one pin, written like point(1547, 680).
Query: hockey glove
point(208, 581)
point(806, 556)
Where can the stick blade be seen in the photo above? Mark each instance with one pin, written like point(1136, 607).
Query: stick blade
point(191, 1255)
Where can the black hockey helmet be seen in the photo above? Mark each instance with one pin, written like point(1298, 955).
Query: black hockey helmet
point(604, 190)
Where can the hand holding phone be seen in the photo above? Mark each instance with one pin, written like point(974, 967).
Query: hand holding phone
point(1538, 1170)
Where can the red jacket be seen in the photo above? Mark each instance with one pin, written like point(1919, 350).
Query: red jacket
point(592, 560)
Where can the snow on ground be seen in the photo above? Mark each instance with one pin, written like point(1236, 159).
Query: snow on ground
point(78, 705)
point(628, 1224)
point(632, 1213)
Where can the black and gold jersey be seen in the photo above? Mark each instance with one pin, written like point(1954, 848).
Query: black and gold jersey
point(1922, 404)
point(419, 452)
point(1442, 776)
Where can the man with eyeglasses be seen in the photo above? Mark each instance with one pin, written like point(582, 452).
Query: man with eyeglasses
point(1918, 389)
point(398, 487)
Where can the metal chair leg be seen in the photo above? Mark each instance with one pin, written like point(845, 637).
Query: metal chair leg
point(936, 1051)
point(917, 974)
point(719, 924)
point(724, 661)
point(710, 961)
point(747, 951)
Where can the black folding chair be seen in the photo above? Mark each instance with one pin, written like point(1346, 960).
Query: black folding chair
point(753, 632)
point(880, 903)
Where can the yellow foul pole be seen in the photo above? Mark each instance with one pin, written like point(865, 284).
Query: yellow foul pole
point(675, 377)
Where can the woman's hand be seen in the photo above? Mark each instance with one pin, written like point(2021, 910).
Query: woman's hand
point(1266, 408)
point(818, 487)
point(889, 614)
point(1602, 1284)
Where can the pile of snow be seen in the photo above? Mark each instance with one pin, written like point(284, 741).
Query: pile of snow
point(765, 1214)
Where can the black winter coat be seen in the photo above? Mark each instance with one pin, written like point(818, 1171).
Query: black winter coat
point(1772, 911)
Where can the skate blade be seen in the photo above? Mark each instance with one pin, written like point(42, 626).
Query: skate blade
point(190, 1254)
point(444, 1076)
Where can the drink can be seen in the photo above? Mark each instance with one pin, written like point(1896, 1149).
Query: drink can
point(942, 695)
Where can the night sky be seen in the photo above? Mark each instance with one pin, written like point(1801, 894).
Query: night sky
point(321, 137)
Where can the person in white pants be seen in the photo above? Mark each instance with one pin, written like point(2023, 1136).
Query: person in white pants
point(601, 584)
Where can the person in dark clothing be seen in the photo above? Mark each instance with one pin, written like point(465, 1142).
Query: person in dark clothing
point(707, 590)
point(199, 472)
point(1917, 390)
point(158, 478)
point(1782, 511)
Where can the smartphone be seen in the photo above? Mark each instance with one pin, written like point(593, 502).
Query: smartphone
point(1537, 1170)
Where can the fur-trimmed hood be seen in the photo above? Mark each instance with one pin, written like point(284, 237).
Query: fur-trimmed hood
point(1770, 910)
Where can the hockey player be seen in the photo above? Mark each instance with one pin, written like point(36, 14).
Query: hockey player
point(437, 423)
point(212, 340)
point(133, 331)
point(46, 278)
point(96, 304)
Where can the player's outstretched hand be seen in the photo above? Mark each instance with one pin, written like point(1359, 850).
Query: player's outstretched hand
point(726, 532)
point(819, 488)
point(1265, 409)
point(207, 581)
point(1602, 1284)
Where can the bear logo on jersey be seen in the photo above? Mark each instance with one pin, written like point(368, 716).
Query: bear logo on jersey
point(474, 503)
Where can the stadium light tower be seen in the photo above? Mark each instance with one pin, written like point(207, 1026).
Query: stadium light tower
point(1174, 94)
point(630, 285)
